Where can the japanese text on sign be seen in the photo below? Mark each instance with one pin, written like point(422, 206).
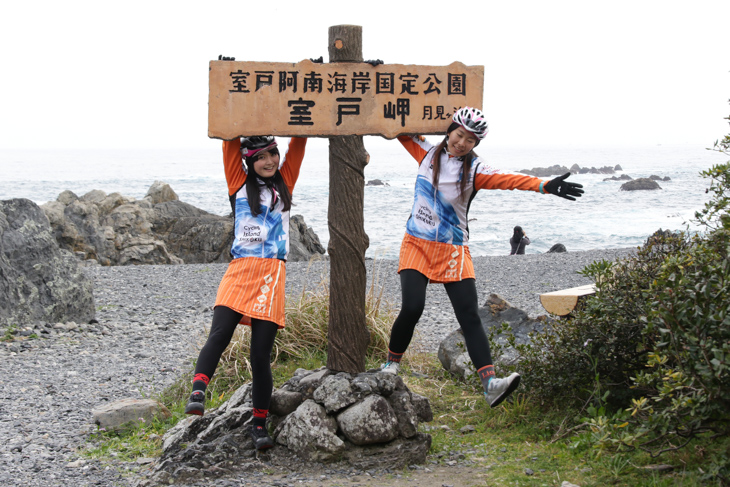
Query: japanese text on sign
point(310, 99)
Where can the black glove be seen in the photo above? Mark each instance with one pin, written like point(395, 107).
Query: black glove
point(559, 187)
point(221, 57)
point(373, 62)
point(319, 60)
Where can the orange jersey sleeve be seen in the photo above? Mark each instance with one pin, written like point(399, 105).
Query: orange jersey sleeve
point(414, 148)
point(293, 161)
point(233, 165)
point(506, 181)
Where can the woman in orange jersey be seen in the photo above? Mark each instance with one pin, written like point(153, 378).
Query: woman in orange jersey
point(252, 289)
point(435, 246)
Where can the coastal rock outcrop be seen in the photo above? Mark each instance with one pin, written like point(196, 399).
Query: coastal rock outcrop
point(452, 350)
point(367, 420)
point(558, 170)
point(641, 184)
point(303, 242)
point(159, 229)
point(38, 281)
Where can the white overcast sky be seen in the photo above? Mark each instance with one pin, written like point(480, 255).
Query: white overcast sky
point(81, 74)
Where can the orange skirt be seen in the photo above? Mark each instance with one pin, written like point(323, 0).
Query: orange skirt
point(440, 262)
point(254, 287)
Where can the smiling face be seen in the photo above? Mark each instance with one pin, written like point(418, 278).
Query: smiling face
point(460, 142)
point(266, 163)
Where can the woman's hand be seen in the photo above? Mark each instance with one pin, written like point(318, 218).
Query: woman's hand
point(564, 189)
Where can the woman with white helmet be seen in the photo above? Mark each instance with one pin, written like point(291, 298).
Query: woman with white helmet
point(435, 247)
point(252, 289)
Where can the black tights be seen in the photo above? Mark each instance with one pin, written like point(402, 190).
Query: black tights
point(464, 299)
point(263, 334)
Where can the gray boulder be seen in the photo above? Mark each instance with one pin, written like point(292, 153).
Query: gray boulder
point(371, 420)
point(158, 229)
point(38, 280)
point(192, 235)
point(119, 414)
point(368, 420)
point(335, 393)
point(452, 349)
point(641, 184)
point(303, 242)
point(311, 433)
point(557, 248)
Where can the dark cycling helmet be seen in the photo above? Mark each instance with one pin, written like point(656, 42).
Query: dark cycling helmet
point(250, 146)
point(473, 120)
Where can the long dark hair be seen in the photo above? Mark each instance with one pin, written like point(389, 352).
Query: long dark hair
point(466, 165)
point(275, 183)
point(517, 235)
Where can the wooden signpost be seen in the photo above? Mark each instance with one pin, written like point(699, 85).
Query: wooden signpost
point(342, 100)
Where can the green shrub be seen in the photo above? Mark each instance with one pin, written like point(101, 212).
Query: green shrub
point(591, 356)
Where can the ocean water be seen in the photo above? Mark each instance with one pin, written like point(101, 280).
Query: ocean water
point(603, 218)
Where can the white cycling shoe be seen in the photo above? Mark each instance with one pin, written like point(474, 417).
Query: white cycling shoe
point(500, 389)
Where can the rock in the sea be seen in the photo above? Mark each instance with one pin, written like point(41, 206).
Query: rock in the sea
point(557, 170)
point(640, 184)
point(623, 177)
point(544, 172)
point(38, 280)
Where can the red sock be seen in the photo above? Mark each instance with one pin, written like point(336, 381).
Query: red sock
point(259, 416)
point(200, 382)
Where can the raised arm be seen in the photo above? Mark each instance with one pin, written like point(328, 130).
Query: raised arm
point(415, 145)
point(293, 161)
point(233, 165)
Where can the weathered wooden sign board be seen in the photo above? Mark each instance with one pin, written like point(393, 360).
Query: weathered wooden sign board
point(333, 99)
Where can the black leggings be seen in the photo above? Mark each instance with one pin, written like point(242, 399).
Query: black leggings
point(464, 299)
point(263, 334)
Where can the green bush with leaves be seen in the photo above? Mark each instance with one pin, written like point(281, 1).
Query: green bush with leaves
point(590, 357)
point(672, 302)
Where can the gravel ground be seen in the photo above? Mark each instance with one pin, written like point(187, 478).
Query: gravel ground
point(151, 323)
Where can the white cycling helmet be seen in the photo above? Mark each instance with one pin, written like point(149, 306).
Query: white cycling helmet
point(473, 120)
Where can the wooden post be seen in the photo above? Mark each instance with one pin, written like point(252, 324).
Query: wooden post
point(348, 336)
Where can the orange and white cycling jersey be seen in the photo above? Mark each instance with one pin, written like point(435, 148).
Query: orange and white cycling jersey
point(267, 234)
point(441, 215)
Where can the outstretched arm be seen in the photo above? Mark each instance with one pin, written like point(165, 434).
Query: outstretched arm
point(488, 178)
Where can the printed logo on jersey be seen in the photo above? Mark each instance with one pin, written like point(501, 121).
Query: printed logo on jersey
point(433, 217)
point(262, 236)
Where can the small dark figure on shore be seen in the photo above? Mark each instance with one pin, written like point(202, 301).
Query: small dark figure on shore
point(519, 241)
